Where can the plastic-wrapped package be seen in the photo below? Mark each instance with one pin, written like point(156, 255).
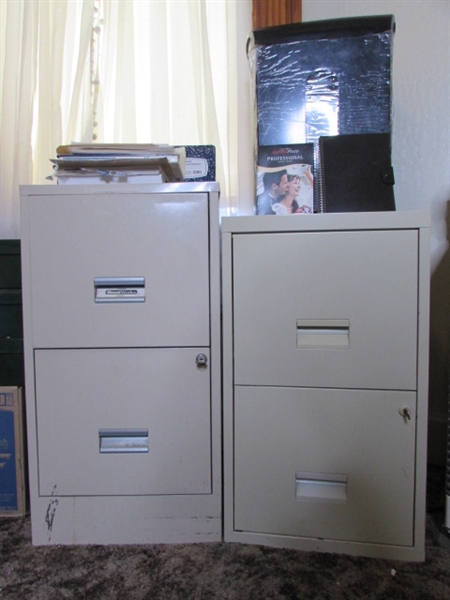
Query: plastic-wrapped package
point(322, 78)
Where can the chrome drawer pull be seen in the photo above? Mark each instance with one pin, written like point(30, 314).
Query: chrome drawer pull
point(123, 440)
point(323, 333)
point(320, 487)
point(119, 289)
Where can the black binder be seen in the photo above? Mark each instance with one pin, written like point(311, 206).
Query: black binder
point(356, 173)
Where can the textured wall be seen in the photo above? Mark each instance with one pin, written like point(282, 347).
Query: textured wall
point(421, 155)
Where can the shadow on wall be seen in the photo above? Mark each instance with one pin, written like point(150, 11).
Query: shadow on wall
point(439, 356)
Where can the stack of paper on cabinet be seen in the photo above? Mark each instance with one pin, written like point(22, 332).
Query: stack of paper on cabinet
point(118, 163)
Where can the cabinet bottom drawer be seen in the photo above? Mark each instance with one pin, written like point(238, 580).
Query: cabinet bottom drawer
point(323, 463)
point(133, 421)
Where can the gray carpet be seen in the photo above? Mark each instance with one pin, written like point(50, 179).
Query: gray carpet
point(220, 571)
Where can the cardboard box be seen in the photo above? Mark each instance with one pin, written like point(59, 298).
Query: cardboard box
point(12, 453)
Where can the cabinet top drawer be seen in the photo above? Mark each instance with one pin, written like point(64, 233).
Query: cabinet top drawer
point(330, 309)
point(117, 270)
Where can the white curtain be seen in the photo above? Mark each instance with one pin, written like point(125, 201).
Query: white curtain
point(160, 71)
point(167, 74)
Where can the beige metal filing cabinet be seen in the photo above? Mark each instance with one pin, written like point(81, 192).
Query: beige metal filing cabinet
point(325, 325)
point(121, 301)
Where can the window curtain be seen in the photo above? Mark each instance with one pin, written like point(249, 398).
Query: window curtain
point(161, 71)
point(44, 87)
point(179, 58)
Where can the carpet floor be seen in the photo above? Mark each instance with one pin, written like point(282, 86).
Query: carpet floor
point(210, 571)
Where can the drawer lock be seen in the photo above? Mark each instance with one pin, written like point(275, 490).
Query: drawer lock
point(405, 412)
point(201, 360)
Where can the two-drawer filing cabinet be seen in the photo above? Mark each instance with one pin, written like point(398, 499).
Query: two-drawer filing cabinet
point(121, 302)
point(325, 328)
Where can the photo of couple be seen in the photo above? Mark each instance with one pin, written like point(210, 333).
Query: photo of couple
point(287, 191)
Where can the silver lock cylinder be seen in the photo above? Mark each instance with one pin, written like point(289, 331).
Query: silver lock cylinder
point(201, 360)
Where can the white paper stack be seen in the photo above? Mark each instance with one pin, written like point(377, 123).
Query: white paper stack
point(118, 163)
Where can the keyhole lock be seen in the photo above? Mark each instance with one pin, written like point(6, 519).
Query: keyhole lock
point(405, 412)
point(201, 360)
